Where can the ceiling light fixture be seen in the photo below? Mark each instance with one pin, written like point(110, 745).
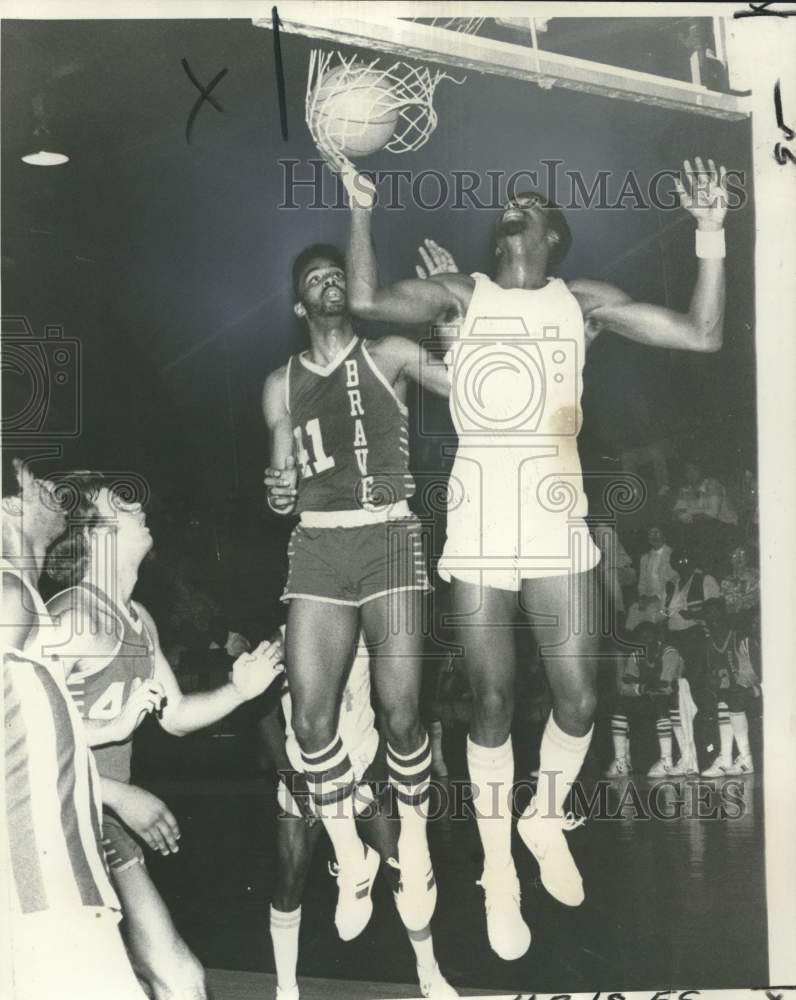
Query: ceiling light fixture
point(40, 136)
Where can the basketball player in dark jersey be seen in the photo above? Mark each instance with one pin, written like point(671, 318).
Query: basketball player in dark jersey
point(544, 558)
point(109, 643)
point(62, 933)
point(337, 419)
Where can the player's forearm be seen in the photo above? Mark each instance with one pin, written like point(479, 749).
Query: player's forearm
point(362, 276)
point(706, 312)
point(196, 711)
point(112, 792)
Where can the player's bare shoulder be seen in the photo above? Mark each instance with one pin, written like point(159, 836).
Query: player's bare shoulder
point(593, 294)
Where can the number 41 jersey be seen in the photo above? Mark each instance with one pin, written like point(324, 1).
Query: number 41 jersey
point(350, 431)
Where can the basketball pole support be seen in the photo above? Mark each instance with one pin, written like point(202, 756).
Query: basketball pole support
point(411, 41)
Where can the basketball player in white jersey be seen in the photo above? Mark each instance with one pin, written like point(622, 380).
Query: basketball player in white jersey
point(338, 425)
point(298, 827)
point(109, 643)
point(517, 541)
point(62, 935)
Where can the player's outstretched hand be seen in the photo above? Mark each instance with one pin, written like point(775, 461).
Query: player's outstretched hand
point(150, 819)
point(281, 486)
point(705, 197)
point(436, 260)
point(253, 673)
point(147, 698)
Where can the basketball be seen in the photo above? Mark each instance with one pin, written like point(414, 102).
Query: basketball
point(356, 114)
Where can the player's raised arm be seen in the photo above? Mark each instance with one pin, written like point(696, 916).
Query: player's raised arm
point(702, 327)
point(412, 301)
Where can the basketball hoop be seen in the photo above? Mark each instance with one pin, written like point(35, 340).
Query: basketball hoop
point(354, 108)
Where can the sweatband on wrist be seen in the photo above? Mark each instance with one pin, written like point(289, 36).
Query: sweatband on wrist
point(710, 244)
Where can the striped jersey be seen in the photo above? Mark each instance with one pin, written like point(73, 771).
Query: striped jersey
point(101, 686)
point(351, 433)
point(53, 840)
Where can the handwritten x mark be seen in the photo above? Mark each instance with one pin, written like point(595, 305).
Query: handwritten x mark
point(205, 94)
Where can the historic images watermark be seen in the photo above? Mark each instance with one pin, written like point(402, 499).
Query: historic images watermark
point(309, 184)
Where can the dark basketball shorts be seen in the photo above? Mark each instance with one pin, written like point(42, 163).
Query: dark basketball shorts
point(122, 850)
point(355, 565)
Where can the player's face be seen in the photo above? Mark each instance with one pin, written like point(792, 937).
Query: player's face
point(129, 521)
point(714, 620)
point(322, 289)
point(524, 216)
point(738, 558)
point(655, 538)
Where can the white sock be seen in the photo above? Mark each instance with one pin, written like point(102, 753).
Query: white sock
point(664, 730)
point(492, 778)
point(725, 733)
point(330, 777)
point(423, 947)
point(285, 939)
point(620, 730)
point(560, 759)
point(740, 729)
point(410, 776)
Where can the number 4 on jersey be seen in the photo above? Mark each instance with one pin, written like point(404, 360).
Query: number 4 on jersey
point(110, 702)
point(319, 461)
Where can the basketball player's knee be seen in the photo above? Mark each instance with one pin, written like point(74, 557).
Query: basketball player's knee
point(578, 708)
point(401, 723)
point(315, 727)
point(494, 706)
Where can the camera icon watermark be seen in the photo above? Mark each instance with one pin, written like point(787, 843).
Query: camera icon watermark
point(507, 383)
point(42, 379)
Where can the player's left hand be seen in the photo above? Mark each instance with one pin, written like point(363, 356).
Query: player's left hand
point(436, 260)
point(253, 673)
point(706, 195)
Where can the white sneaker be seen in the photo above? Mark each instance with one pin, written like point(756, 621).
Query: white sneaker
point(619, 769)
point(720, 768)
point(544, 838)
point(743, 764)
point(354, 884)
point(662, 768)
point(685, 765)
point(416, 895)
point(433, 984)
point(287, 994)
point(509, 935)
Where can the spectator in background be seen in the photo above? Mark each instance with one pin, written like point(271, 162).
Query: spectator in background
point(222, 637)
point(683, 611)
point(741, 588)
point(704, 508)
point(655, 571)
point(645, 683)
point(652, 456)
point(732, 683)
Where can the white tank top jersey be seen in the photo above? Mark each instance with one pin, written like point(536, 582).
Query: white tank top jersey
point(516, 502)
point(357, 725)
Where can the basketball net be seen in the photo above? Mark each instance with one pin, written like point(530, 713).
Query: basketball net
point(407, 90)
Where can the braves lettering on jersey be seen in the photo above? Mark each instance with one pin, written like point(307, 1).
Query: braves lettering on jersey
point(51, 831)
point(517, 504)
point(100, 687)
point(351, 433)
